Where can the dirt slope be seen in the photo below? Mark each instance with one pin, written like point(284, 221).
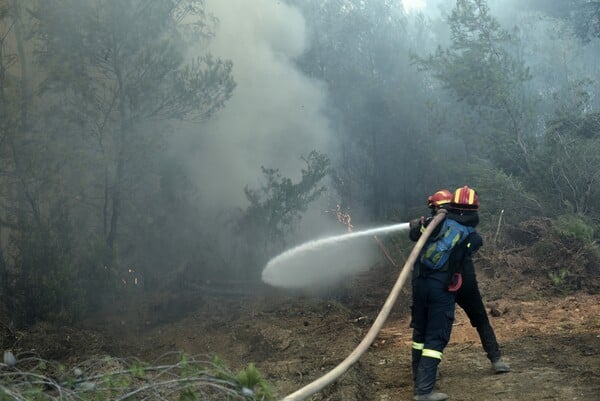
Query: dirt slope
point(552, 342)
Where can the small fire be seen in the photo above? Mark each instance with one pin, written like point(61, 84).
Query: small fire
point(344, 217)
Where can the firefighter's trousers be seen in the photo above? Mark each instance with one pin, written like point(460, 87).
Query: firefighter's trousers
point(432, 318)
point(469, 299)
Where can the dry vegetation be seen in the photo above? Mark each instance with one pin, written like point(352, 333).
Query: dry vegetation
point(548, 329)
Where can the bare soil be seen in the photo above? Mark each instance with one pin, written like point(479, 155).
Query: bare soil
point(551, 340)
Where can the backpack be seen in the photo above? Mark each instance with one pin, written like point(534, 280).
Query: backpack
point(436, 251)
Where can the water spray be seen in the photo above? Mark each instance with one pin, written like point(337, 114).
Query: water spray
point(340, 369)
point(291, 269)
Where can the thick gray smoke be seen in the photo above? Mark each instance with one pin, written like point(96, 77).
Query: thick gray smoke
point(276, 113)
point(275, 116)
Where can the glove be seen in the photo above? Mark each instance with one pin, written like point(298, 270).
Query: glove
point(416, 228)
point(416, 223)
point(474, 242)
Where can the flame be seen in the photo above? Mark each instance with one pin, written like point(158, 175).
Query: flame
point(344, 217)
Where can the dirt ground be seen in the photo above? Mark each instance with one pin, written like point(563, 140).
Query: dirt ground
point(551, 341)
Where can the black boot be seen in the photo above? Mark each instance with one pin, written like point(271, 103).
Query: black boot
point(500, 366)
point(431, 397)
point(426, 375)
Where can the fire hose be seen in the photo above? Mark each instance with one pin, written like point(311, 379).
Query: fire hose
point(320, 383)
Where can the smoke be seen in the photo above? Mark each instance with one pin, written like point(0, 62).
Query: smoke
point(275, 115)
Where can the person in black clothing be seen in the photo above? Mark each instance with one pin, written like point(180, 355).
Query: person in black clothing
point(462, 206)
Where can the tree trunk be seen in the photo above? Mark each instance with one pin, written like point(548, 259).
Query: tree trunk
point(116, 204)
point(120, 170)
point(25, 92)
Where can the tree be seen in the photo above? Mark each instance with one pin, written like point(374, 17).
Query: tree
point(360, 49)
point(82, 134)
point(479, 69)
point(276, 208)
point(20, 174)
point(117, 66)
point(568, 164)
point(583, 15)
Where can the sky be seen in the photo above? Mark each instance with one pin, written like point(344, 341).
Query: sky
point(413, 5)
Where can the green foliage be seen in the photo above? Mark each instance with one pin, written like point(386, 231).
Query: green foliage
point(220, 368)
point(497, 191)
point(477, 67)
point(188, 369)
point(85, 189)
point(138, 49)
point(559, 279)
point(52, 281)
point(589, 126)
point(251, 378)
point(279, 203)
point(138, 369)
point(188, 394)
point(567, 254)
point(101, 71)
point(574, 227)
point(45, 279)
point(480, 68)
point(278, 206)
point(361, 53)
point(566, 164)
point(112, 378)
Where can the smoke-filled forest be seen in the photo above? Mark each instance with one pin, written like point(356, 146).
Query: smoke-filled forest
point(155, 155)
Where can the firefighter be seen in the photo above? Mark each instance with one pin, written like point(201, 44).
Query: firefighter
point(432, 303)
point(462, 206)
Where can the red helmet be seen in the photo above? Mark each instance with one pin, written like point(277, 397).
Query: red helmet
point(465, 198)
point(440, 198)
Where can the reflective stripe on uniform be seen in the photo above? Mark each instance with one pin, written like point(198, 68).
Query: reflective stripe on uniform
point(432, 353)
point(418, 345)
point(455, 239)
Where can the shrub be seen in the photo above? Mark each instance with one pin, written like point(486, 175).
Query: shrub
point(574, 227)
point(276, 208)
point(45, 279)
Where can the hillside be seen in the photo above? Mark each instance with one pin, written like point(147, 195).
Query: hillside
point(551, 340)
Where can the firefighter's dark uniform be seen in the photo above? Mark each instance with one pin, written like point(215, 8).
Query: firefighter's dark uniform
point(468, 296)
point(432, 317)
